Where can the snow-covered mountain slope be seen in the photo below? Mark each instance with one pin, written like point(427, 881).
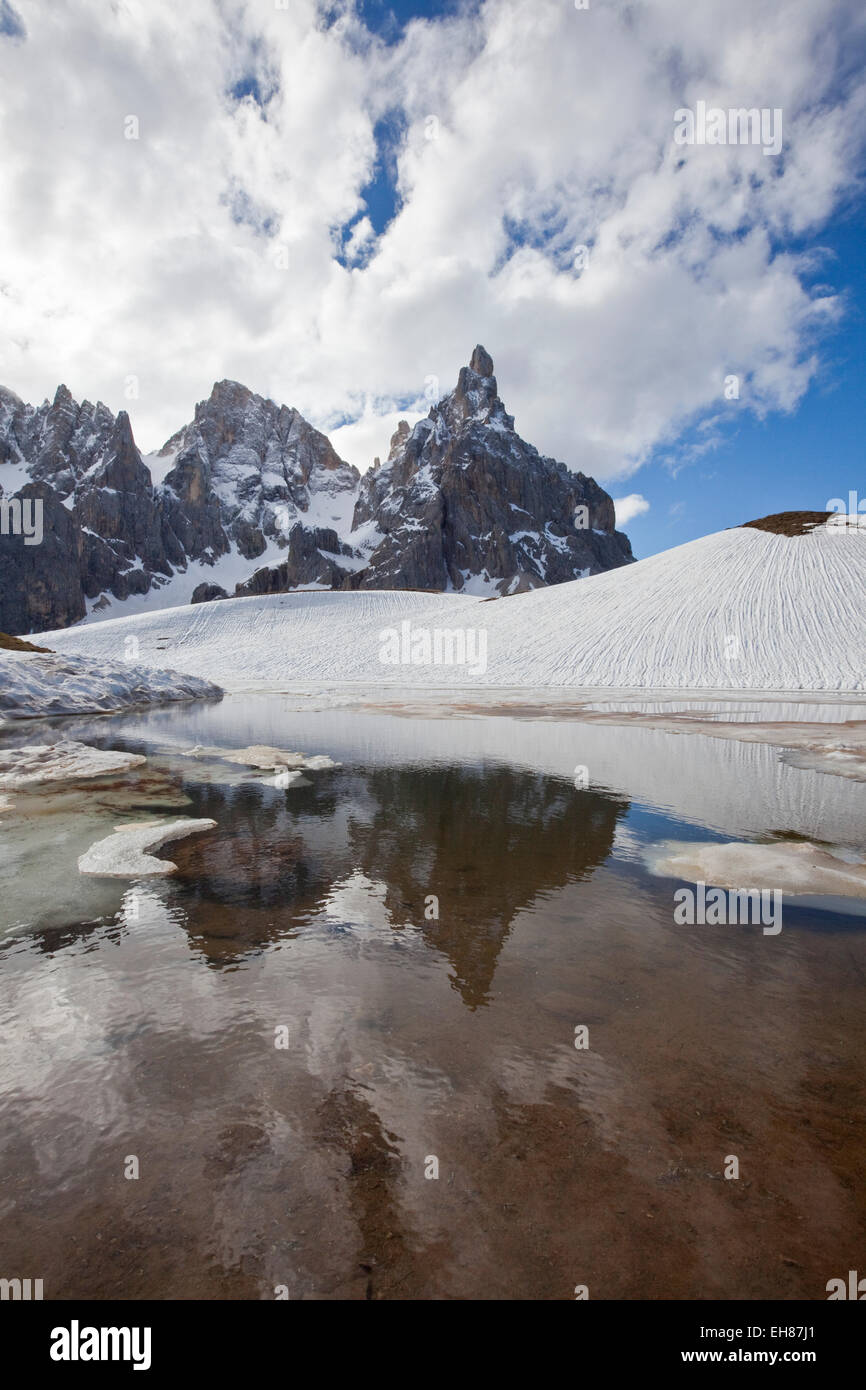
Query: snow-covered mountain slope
point(744, 609)
point(102, 525)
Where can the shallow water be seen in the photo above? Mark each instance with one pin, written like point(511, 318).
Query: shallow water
point(141, 1020)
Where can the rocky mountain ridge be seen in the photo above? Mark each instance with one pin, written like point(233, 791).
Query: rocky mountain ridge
point(461, 503)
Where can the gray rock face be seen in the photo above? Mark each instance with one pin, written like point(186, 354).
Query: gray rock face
point(461, 502)
point(106, 529)
point(313, 558)
point(40, 585)
point(463, 498)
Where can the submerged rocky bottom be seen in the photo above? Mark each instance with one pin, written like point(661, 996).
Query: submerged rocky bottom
point(424, 1025)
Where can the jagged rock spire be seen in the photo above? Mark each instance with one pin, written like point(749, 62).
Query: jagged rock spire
point(464, 503)
point(481, 362)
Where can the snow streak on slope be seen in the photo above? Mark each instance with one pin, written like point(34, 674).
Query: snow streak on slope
point(740, 610)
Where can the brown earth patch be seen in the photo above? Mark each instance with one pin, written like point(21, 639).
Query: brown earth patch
point(14, 644)
point(790, 523)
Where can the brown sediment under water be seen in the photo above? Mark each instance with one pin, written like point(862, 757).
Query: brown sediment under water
point(339, 1043)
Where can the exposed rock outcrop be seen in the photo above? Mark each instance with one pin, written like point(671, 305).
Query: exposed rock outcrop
point(105, 528)
point(207, 593)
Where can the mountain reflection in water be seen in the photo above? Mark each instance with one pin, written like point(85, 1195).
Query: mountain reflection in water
point(285, 1034)
point(484, 842)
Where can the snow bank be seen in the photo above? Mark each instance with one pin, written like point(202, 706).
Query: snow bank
point(33, 685)
point(125, 853)
point(744, 609)
point(60, 762)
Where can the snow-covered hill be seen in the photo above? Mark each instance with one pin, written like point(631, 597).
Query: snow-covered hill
point(744, 609)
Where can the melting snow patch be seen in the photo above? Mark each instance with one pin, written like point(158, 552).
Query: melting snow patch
point(797, 868)
point(841, 761)
point(60, 762)
point(125, 853)
point(262, 756)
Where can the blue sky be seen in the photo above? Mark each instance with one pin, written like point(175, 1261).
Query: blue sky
point(10, 21)
point(389, 19)
point(785, 462)
point(332, 205)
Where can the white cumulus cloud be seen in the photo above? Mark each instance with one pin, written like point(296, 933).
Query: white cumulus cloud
point(627, 508)
point(231, 238)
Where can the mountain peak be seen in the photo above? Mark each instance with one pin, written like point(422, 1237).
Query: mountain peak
point(481, 362)
point(476, 395)
point(465, 504)
point(227, 392)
